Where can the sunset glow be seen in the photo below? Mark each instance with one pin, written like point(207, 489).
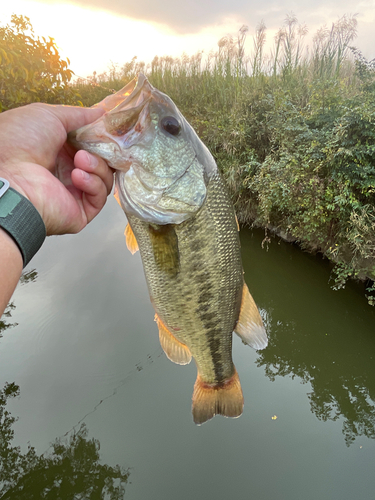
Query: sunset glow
point(93, 39)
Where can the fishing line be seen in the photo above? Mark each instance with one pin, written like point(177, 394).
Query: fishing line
point(150, 358)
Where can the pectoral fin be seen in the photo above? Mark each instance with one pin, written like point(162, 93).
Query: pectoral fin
point(222, 399)
point(131, 242)
point(250, 325)
point(175, 350)
point(117, 198)
point(165, 248)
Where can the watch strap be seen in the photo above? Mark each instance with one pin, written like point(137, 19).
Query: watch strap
point(21, 220)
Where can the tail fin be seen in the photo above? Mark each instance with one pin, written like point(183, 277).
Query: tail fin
point(222, 399)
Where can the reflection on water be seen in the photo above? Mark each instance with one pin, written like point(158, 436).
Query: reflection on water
point(71, 468)
point(4, 320)
point(138, 367)
point(70, 471)
point(4, 324)
point(317, 335)
point(325, 338)
point(98, 363)
point(341, 378)
point(28, 277)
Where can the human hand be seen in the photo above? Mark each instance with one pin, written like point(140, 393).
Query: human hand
point(67, 189)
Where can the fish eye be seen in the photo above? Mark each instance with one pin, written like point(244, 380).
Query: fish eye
point(170, 125)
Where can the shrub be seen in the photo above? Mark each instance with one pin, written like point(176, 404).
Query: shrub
point(31, 69)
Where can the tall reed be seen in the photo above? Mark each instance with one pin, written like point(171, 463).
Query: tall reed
point(219, 80)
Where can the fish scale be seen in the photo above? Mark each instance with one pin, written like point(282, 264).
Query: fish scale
point(210, 268)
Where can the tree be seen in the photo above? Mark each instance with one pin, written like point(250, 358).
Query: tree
point(31, 69)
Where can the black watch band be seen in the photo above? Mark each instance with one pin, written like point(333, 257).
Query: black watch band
point(21, 220)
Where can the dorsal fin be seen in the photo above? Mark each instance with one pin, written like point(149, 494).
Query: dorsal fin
point(222, 399)
point(175, 350)
point(250, 325)
point(131, 242)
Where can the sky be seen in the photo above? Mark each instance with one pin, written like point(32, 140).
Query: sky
point(95, 33)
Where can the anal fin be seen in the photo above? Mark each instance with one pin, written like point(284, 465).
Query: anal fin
point(175, 350)
point(250, 325)
point(223, 399)
point(131, 242)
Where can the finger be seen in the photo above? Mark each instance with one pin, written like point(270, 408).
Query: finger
point(73, 117)
point(96, 165)
point(93, 191)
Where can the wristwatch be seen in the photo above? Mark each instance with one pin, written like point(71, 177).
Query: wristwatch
point(21, 220)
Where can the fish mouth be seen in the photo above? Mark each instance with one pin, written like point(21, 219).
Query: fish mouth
point(131, 96)
point(114, 127)
point(124, 120)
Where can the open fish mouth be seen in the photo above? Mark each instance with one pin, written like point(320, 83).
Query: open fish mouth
point(126, 111)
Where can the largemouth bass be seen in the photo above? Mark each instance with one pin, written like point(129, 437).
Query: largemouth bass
point(181, 218)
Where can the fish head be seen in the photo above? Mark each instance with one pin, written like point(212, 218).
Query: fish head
point(162, 166)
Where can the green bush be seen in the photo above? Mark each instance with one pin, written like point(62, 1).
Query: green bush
point(31, 69)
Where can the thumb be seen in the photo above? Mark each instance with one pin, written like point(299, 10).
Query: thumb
point(73, 117)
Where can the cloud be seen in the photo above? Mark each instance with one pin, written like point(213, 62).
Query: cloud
point(182, 17)
point(185, 17)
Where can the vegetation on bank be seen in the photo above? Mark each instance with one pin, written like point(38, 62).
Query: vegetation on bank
point(292, 131)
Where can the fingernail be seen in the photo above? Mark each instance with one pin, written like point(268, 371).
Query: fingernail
point(85, 175)
point(93, 161)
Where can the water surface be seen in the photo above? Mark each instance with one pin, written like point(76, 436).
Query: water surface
point(86, 351)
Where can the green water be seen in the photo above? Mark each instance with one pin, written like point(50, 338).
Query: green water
point(86, 350)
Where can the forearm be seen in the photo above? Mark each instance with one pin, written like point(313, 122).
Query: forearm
point(11, 264)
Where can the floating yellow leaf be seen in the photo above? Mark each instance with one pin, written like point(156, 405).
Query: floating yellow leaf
point(274, 417)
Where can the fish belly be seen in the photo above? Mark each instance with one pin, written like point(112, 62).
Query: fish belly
point(195, 279)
